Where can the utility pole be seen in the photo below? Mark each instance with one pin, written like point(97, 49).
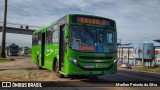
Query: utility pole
point(3, 54)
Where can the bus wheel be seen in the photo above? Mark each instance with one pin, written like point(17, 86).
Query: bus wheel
point(56, 69)
point(39, 67)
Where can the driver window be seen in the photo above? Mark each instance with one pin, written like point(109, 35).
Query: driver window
point(110, 38)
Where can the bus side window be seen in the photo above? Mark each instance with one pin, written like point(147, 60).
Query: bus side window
point(54, 34)
point(39, 39)
point(47, 37)
point(55, 37)
point(36, 39)
point(33, 40)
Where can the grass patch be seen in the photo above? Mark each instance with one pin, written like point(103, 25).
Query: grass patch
point(142, 68)
point(4, 59)
point(150, 69)
point(158, 70)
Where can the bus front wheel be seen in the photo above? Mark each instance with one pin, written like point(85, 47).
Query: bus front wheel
point(56, 69)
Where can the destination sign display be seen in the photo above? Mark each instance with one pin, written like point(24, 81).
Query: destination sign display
point(91, 20)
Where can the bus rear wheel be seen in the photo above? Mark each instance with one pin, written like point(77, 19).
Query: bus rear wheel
point(56, 69)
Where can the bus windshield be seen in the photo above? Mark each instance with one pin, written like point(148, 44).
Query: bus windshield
point(92, 39)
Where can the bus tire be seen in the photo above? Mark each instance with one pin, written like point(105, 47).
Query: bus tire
point(56, 69)
point(37, 63)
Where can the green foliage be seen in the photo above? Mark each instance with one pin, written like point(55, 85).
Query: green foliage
point(150, 69)
point(4, 59)
point(157, 65)
point(143, 68)
point(158, 70)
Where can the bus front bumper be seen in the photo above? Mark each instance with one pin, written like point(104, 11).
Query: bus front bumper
point(79, 70)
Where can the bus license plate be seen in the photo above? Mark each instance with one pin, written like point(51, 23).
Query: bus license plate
point(89, 66)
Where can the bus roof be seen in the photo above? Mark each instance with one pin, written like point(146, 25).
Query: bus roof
point(55, 22)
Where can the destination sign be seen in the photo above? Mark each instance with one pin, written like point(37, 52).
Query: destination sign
point(92, 20)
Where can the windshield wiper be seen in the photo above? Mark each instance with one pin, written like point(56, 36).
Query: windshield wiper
point(85, 28)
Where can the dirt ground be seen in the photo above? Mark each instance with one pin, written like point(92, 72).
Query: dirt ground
point(21, 68)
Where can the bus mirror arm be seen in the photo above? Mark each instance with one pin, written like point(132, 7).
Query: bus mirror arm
point(66, 33)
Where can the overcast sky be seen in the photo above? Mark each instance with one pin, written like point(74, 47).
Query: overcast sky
point(137, 20)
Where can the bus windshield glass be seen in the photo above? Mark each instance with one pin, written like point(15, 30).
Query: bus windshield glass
point(92, 39)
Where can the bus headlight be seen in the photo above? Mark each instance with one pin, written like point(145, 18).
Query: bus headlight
point(73, 60)
point(115, 61)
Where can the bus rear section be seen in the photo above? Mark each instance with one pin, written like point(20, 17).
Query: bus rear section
point(13, 50)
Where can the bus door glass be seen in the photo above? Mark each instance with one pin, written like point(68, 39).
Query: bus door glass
point(42, 48)
point(62, 47)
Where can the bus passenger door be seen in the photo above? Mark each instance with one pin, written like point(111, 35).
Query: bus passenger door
point(62, 46)
point(42, 48)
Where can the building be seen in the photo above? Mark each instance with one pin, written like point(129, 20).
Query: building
point(126, 54)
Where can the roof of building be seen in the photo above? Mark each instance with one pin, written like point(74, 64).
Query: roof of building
point(157, 40)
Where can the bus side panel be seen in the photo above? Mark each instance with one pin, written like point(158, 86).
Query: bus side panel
point(35, 53)
point(50, 54)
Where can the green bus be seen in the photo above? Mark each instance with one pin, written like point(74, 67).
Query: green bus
point(77, 44)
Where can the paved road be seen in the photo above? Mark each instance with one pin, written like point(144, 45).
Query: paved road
point(22, 69)
point(126, 75)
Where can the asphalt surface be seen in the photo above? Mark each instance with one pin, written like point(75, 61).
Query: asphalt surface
point(23, 64)
point(127, 75)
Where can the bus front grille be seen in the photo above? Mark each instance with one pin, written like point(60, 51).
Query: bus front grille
point(95, 58)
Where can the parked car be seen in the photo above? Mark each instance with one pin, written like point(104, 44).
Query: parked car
point(126, 65)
